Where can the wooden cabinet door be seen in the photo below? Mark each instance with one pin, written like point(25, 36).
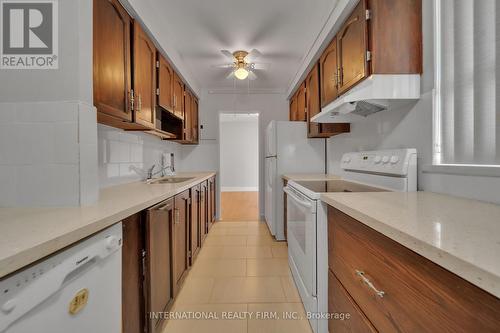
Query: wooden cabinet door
point(329, 73)
point(111, 59)
point(339, 301)
point(132, 287)
point(312, 102)
point(188, 104)
point(195, 121)
point(158, 264)
point(195, 229)
point(211, 202)
point(352, 47)
point(204, 210)
point(165, 84)
point(178, 96)
point(301, 103)
point(180, 240)
point(144, 78)
point(293, 108)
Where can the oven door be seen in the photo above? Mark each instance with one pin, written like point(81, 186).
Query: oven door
point(301, 228)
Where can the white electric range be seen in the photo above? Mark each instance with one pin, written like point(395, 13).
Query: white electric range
point(369, 171)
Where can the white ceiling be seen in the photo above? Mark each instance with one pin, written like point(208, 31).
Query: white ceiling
point(283, 30)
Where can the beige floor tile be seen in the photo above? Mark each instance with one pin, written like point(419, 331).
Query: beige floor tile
point(224, 240)
point(219, 267)
point(224, 252)
point(230, 224)
point(259, 252)
point(208, 325)
point(247, 290)
point(280, 244)
point(268, 267)
point(299, 323)
point(196, 290)
point(257, 240)
point(279, 251)
point(290, 289)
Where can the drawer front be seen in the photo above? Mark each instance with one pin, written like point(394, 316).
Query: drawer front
point(340, 302)
point(401, 291)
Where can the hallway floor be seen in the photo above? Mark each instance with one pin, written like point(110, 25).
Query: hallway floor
point(239, 206)
point(241, 277)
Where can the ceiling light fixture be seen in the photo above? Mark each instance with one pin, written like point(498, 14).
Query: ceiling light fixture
point(241, 73)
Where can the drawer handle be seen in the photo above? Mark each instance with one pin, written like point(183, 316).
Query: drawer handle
point(361, 274)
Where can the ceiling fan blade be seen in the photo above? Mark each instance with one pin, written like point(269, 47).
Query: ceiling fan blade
point(230, 75)
point(252, 76)
point(227, 54)
point(261, 66)
point(253, 55)
point(223, 66)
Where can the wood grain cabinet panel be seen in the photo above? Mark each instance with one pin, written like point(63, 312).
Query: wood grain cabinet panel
point(341, 304)
point(212, 201)
point(316, 130)
point(180, 233)
point(352, 45)
point(329, 73)
point(293, 108)
point(178, 96)
point(165, 84)
point(195, 232)
point(419, 296)
point(188, 115)
point(132, 275)
point(111, 59)
point(204, 210)
point(158, 281)
point(144, 78)
point(195, 121)
point(301, 114)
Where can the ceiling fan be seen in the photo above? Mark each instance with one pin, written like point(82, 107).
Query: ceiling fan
point(243, 64)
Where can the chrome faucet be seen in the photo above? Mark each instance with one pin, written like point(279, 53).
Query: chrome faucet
point(163, 168)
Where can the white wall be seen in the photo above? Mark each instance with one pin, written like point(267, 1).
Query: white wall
point(205, 156)
point(239, 152)
point(48, 127)
point(411, 126)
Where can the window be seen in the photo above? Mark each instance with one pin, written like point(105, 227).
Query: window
point(467, 103)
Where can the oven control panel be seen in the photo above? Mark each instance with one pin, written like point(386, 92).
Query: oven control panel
point(395, 162)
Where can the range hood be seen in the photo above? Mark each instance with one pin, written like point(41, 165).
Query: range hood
point(376, 93)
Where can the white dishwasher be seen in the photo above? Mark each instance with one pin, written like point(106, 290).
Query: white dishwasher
point(77, 290)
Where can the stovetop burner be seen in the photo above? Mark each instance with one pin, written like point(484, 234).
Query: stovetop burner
point(337, 186)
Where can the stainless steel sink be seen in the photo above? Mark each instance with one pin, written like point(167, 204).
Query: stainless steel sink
point(170, 180)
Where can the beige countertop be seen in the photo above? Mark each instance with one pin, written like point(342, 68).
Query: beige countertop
point(29, 234)
point(460, 235)
point(309, 176)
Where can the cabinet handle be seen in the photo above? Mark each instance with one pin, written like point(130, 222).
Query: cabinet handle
point(132, 101)
point(366, 281)
point(177, 218)
point(139, 102)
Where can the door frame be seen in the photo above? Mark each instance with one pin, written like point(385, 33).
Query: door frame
point(260, 151)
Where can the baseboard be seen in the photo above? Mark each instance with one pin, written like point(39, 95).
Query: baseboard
point(239, 189)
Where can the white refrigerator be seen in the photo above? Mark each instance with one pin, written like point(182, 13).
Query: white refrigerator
point(288, 150)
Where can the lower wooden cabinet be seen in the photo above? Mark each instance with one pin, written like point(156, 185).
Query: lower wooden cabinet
point(133, 310)
point(212, 204)
point(398, 290)
point(180, 241)
point(157, 262)
point(159, 246)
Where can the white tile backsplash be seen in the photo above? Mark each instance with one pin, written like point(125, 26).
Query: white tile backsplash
point(124, 156)
point(48, 154)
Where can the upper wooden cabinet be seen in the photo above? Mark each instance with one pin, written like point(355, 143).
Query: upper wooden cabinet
point(144, 78)
point(165, 84)
point(352, 49)
point(178, 92)
point(188, 115)
point(329, 73)
point(195, 121)
point(293, 108)
point(301, 114)
point(111, 60)
point(316, 130)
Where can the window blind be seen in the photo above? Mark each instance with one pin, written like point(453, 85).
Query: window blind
point(469, 84)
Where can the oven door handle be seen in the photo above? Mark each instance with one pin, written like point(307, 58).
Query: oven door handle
point(292, 194)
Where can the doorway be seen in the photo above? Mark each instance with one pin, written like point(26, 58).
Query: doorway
point(239, 166)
